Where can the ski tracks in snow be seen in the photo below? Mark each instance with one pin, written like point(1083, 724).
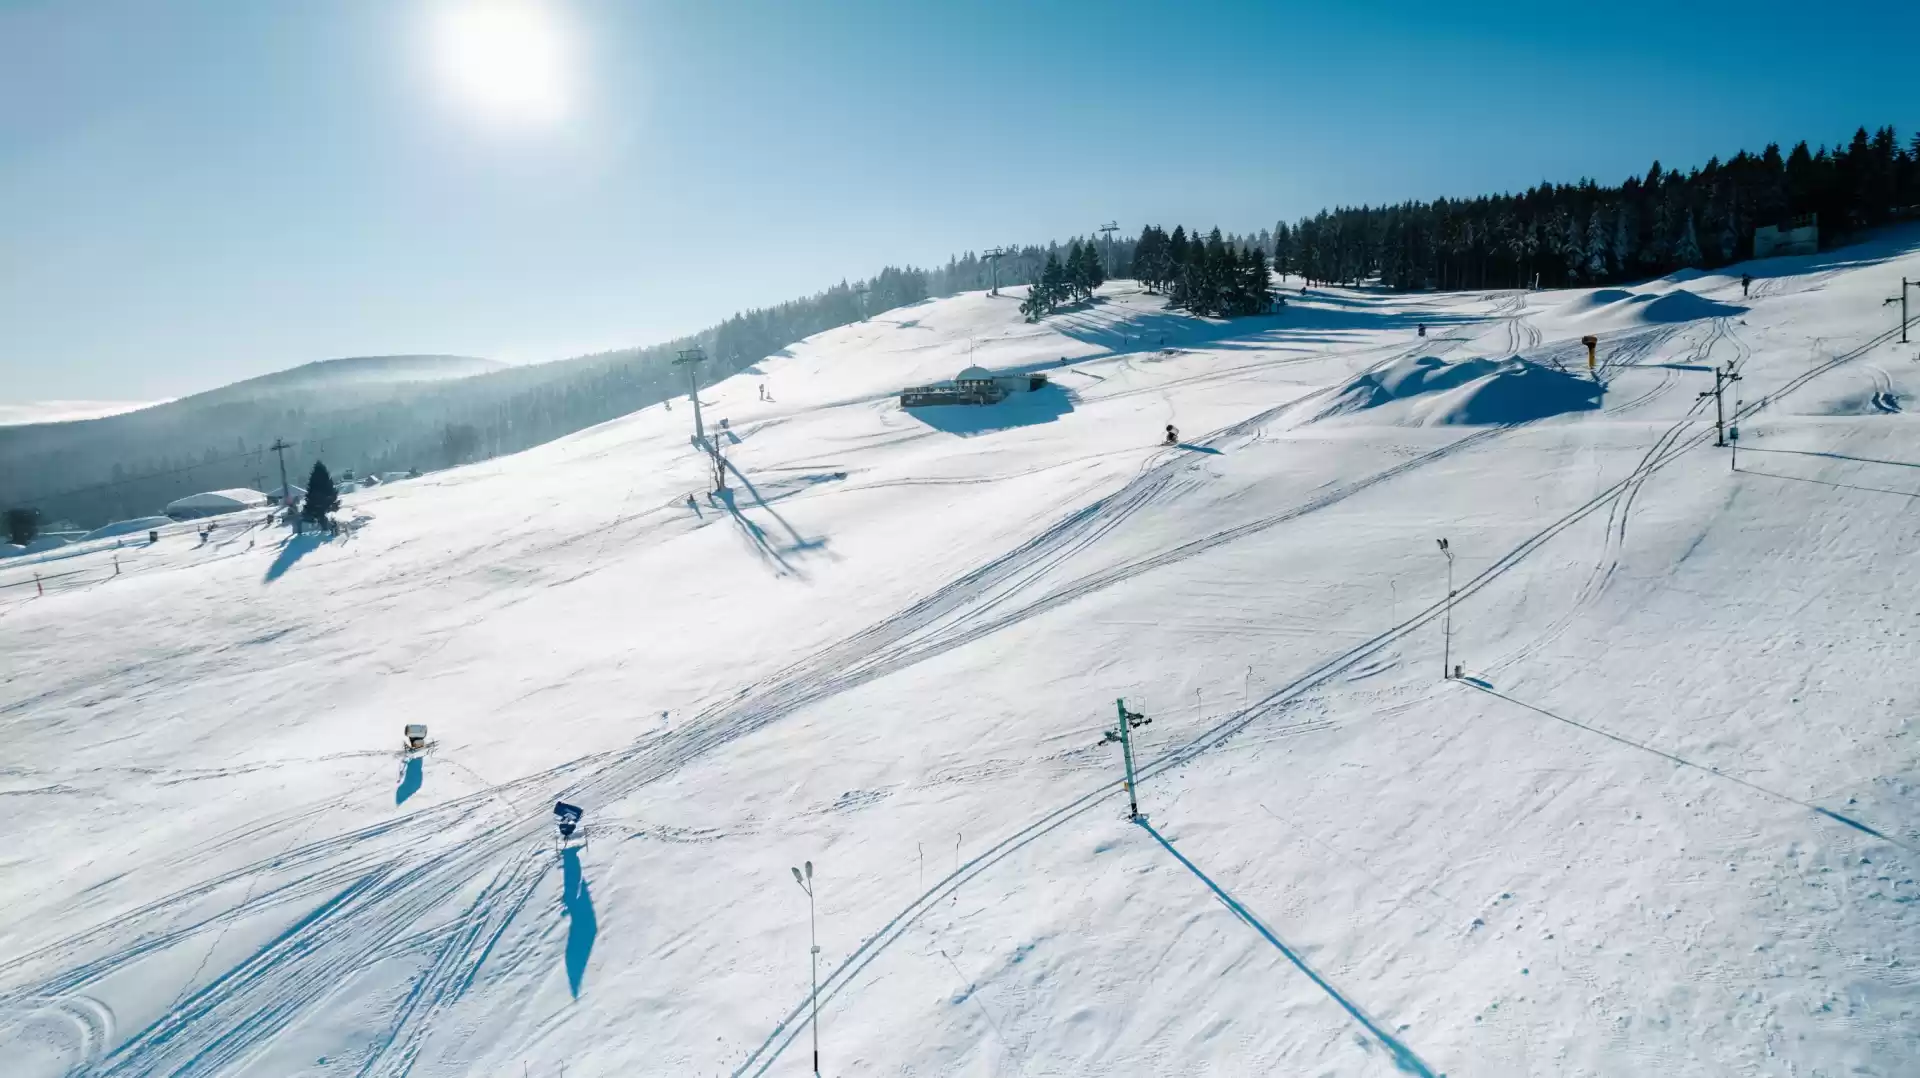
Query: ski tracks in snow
point(1668, 448)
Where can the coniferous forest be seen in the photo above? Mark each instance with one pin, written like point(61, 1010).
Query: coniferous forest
point(1585, 233)
point(1556, 234)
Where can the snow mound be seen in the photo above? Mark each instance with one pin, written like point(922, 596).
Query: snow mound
point(1595, 300)
point(1429, 391)
point(1681, 305)
point(128, 527)
point(1617, 305)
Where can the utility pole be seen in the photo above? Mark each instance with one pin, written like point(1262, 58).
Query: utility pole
point(1902, 300)
point(1733, 438)
point(1128, 721)
point(280, 448)
point(1106, 233)
point(687, 357)
point(993, 258)
point(1722, 377)
point(1446, 647)
point(806, 884)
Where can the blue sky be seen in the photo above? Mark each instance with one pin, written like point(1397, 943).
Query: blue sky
point(192, 193)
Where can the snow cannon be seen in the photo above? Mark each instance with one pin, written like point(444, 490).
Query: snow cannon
point(567, 818)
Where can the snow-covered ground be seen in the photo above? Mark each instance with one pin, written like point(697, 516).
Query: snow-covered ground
point(1665, 824)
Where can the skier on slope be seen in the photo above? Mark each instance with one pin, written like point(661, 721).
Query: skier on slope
point(1746, 282)
point(1173, 435)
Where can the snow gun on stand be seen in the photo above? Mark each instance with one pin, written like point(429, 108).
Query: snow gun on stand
point(566, 819)
point(414, 741)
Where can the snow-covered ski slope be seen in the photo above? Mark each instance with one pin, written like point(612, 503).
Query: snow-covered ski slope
point(1666, 823)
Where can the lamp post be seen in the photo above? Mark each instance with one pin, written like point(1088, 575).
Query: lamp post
point(806, 884)
point(1446, 648)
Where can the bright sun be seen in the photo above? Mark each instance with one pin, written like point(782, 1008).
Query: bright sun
point(509, 60)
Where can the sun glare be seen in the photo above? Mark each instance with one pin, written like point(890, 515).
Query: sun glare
point(508, 60)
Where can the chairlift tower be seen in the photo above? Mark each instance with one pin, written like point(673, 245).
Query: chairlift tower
point(687, 358)
point(280, 448)
point(993, 258)
point(1106, 234)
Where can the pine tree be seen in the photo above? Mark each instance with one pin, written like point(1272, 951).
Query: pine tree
point(1035, 306)
point(322, 499)
point(22, 524)
point(1256, 285)
point(1687, 251)
point(1626, 231)
point(1053, 281)
point(1096, 270)
point(1597, 253)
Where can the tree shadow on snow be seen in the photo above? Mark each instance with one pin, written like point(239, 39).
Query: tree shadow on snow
point(1404, 1058)
point(411, 779)
point(582, 925)
point(1043, 405)
point(296, 546)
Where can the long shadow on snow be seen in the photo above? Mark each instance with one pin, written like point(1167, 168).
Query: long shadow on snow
point(296, 547)
point(1828, 483)
point(1403, 1057)
point(582, 926)
point(1686, 763)
point(798, 544)
point(762, 544)
point(1043, 405)
point(1834, 456)
point(411, 780)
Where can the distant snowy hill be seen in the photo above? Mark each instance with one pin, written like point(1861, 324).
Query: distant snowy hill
point(1664, 822)
point(356, 371)
point(17, 415)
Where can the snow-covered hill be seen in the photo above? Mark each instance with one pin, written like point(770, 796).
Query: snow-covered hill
point(18, 415)
point(1665, 823)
